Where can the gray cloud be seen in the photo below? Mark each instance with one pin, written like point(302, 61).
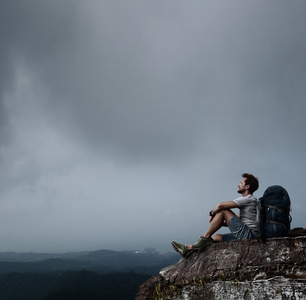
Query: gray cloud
point(143, 112)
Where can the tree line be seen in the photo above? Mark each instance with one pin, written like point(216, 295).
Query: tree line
point(77, 285)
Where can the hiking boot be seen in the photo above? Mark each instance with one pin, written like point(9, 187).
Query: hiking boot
point(181, 249)
point(202, 243)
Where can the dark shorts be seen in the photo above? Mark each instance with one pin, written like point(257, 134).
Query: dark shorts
point(238, 230)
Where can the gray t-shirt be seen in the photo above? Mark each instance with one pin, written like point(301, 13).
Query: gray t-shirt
point(248, 211)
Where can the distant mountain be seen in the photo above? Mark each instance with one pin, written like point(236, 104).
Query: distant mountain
point(32, 256)
point(149, 262)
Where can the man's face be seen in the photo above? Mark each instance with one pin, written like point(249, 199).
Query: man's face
point(241, 186)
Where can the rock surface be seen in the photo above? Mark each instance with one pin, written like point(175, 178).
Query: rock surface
point(241, 269)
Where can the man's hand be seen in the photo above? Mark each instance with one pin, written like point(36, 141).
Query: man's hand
point(222, 206)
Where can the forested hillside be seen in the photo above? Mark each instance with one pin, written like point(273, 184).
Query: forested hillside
point(76, 285)
point(102, 274)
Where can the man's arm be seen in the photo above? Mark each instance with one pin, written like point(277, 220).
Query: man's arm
point(223, 206)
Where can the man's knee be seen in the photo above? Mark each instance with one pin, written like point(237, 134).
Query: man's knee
point(227, 214)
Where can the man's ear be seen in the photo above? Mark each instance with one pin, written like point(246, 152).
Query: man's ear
point(247, 187)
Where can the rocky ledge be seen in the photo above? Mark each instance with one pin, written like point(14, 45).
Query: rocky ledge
point(241, 269)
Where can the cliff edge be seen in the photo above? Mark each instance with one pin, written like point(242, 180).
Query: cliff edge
point(241, 269)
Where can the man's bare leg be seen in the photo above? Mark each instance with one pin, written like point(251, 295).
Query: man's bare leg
point(215, 224)
point(218, 221)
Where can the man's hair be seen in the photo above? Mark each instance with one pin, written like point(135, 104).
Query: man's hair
point(252, 181)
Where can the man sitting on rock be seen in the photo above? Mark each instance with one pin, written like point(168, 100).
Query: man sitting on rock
point(242, 226)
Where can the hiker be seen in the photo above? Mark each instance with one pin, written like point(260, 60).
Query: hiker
point(242, 226)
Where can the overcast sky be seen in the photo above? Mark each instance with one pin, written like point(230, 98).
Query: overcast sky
point(122, 123)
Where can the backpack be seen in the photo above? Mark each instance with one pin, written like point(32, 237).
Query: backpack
point(273, 213)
